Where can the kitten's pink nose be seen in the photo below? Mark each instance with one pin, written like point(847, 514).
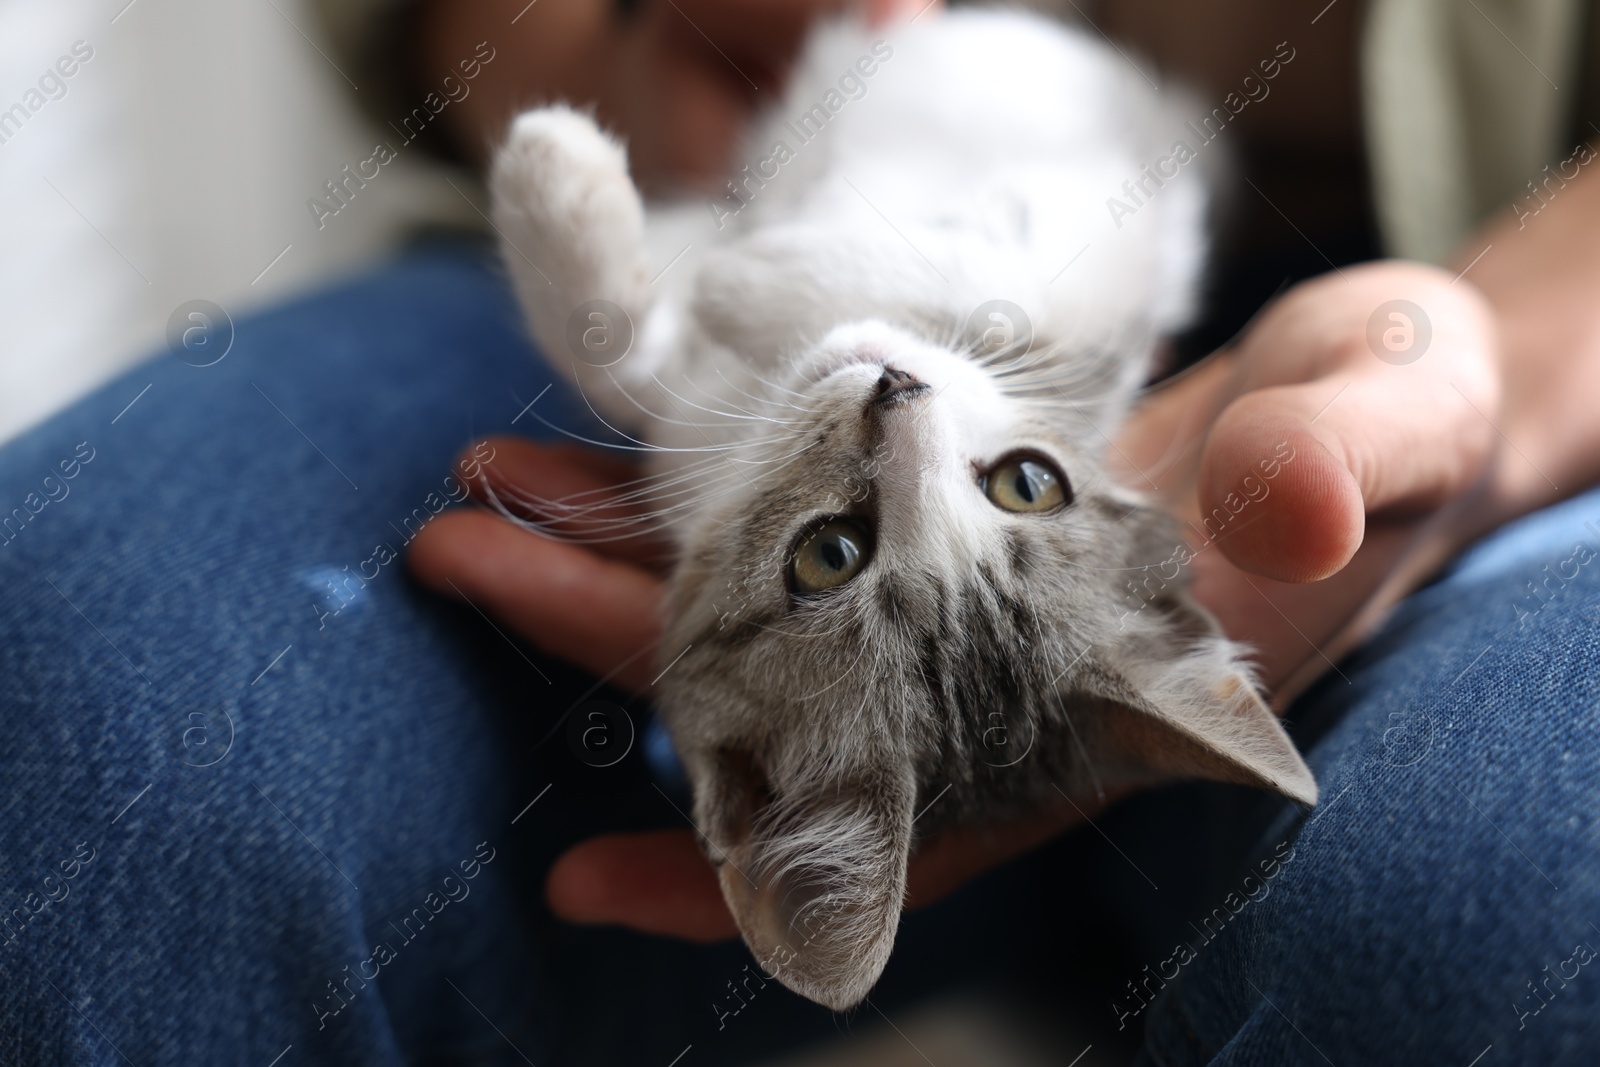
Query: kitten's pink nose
point(896, 385)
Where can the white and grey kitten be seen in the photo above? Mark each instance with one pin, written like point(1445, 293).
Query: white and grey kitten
point(899, 599)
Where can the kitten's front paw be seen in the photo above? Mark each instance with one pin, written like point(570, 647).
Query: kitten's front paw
point(556, 150)
point(562, 199)
point(571, 226)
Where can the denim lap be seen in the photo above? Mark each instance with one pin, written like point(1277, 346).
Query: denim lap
point(258, 790)
point(1443, 899)
point(260, 795)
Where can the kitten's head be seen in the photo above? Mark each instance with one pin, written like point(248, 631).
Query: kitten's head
point(925, 603)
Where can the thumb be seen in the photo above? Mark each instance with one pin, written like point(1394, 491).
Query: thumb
point(1277, 493)
point(1290, 472)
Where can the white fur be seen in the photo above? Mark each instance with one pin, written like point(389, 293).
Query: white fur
point(976, 165)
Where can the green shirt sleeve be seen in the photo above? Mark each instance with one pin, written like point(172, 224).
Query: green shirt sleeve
point(1465, 103)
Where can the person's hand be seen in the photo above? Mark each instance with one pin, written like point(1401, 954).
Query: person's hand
point(1328, 461)
point(1371, 463)
point(677, 80)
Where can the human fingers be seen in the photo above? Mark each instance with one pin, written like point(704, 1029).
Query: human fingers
point(957, 856)
point(661, 883)
point(574, 492)
point(599, 613)
point(1332, 424)
point(657, 883)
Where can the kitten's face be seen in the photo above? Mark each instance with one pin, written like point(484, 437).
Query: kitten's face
point(911, 609)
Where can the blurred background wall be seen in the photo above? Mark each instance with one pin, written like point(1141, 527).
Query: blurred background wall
point(176, 165)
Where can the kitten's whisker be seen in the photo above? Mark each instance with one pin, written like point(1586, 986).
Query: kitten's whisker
point(566, 510)
point(592, 517)
point(1094, 775)
point(646, 527)
point(698, 488)
point(687, 470)
point(699, 407)
point(757, 461)
point(653, 414)
point(770, 385)
point(636, 445)
point(843, 625)
point(645, 445)
point(758, 400)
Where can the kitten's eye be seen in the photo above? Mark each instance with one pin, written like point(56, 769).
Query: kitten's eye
point(1027, 483)
point(828, 555)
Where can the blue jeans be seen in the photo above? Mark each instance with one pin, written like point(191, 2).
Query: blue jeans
point(263, 797)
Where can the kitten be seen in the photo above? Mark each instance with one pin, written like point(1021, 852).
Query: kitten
point(900, 595)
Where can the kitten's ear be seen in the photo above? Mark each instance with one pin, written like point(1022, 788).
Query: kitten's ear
point(815, 876)
point(1194, 717)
